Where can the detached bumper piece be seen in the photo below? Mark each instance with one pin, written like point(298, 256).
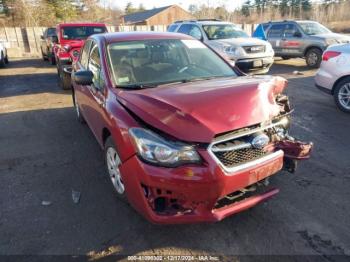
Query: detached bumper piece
point(294, 151)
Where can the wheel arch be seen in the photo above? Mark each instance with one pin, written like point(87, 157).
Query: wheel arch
point(338, 81)
point(105, 134)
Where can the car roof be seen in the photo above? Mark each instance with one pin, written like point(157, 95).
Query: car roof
point(81, 24)
point(203, 22)
point(132, 36)
point(288, 21)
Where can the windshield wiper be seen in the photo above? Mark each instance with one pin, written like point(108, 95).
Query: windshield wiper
point(136, 86)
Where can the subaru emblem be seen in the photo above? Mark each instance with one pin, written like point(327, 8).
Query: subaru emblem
point(260, 141)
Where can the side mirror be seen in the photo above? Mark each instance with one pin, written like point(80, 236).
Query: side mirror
point(54, 39)
point(297, 34)
point(83, 77)
point(42, 37)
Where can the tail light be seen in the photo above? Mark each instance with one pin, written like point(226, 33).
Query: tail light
point(330, 54)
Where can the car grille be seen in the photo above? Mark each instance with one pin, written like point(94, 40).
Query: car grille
point(254, 49)
point(240, 156)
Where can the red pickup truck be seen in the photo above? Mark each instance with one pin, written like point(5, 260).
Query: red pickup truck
point(187, 137)
point(70, 38)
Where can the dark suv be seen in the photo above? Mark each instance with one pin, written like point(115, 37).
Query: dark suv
point(299, 39)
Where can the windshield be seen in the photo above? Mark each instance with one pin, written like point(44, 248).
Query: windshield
point(155, 62)
point(313, 28)
point(51, 32)
point(215, 32)
point(81, 32)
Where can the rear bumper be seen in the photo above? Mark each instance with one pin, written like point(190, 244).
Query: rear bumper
point(255, 64)
point(190, 194)
point(325, 80)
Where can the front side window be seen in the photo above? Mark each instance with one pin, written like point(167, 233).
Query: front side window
point(313, 28)
point(155, 62)
point(290, 30)
point(95, 66)
point(81, 32)
point(225, 31)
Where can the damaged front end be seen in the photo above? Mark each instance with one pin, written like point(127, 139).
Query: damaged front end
point(247, 147)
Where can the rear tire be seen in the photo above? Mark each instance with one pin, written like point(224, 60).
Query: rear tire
point(52, 59)
point(313, 58)
point(2, 59)
point(113, 162)
point(6, 60)
point(64, 79)
point(285, 57)
point(45, 58)
point(80, 117)
point(342, 95)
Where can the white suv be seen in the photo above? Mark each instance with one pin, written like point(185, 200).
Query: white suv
point(3, 54)
point(249, 54)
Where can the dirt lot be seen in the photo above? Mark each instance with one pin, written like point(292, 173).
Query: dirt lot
point(45, 154)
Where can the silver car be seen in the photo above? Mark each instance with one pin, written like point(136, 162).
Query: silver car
point(249, 54)
point(333, 77)
point(300, 39)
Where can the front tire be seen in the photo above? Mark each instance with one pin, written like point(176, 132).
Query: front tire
point(342, 95)
point(313, 58)
point(113, 162)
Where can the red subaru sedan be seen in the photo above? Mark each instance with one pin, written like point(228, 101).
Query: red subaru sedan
point(186, 136)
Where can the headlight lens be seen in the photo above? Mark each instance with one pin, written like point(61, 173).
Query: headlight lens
point(155, 149)
point(269, 48)
point(331, 41)
point(233, 50)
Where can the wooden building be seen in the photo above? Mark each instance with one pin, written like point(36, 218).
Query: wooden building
point(157, 16)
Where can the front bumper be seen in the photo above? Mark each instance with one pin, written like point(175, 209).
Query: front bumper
point(191, 194)
point(255, 64)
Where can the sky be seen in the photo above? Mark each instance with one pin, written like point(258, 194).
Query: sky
point(149, 4)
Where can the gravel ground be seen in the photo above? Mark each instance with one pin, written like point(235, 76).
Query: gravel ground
point(45, 154)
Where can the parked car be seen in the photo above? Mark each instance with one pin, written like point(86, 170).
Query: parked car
point(306, 39)
point(46, 45)
point(186, 137)
point(70, 38)
point(333, 77)
point(249, 54)
point(3, 54)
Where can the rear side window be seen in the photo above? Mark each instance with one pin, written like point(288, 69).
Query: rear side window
point(185, 29)
point(172, 28)
point(276, 30)
point(85, 54)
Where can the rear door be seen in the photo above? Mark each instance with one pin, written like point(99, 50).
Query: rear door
point(274, 36)
point(292, 41)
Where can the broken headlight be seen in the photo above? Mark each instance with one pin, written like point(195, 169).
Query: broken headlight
point(156, 150)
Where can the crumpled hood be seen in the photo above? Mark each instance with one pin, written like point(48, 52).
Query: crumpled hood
point(242, 41)
point(76, 43)
point(198, 111)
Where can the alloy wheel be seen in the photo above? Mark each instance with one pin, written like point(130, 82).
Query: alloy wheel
point(344, 96)
point(113, 162)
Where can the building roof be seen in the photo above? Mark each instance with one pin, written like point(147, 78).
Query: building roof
point(142, 16)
